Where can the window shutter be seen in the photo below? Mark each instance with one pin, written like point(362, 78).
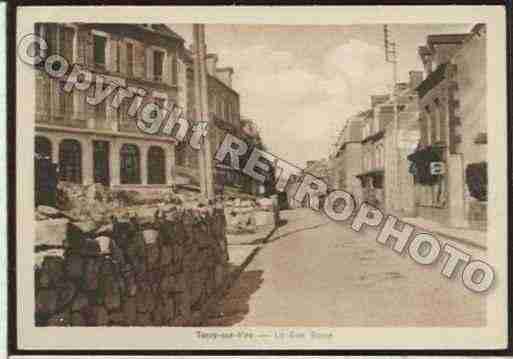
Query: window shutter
point(122, 57)
point(174, 71)
point(139, 60)
point(166, 69)
point(89, 49)
point(423, 130)
point(81, 46)
point(43, 94)
point(67, 44)
point(112, 53)
point(442, 116)
point(149, 64)
point(56, 98)
point(51, 39)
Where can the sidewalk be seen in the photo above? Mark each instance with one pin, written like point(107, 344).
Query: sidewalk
point(243, 247)
point(251, 238)
point(465, 235)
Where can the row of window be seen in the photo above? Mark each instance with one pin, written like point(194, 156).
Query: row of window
point(224, 109)
point(71, 167)
point(63, 40)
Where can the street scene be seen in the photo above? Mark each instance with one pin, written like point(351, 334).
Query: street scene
point(193, 175)
point(350, 280)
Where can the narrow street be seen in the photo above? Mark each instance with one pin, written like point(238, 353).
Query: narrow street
point(314, 272)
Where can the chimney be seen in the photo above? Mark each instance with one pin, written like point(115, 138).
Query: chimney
point(427, 59)
point(225, 75)
point(211, 60)
point(416, 78)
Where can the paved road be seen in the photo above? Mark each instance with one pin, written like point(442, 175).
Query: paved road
point(314, 272)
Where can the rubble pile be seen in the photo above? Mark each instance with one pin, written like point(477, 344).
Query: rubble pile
point(246, 216)
point(96, 202)
point(131, 272)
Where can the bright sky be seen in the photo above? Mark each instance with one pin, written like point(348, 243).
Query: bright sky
point(300, 83)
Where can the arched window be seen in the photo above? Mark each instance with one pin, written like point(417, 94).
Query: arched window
point(70, 161)
point(130, 164)
point(156, 165)
point(43, 147)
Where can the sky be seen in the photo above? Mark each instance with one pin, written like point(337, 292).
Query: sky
point(300, 83)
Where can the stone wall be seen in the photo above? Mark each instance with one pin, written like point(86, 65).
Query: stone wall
point(161, 272)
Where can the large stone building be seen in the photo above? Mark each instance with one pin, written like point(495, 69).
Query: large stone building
point(373, 150)
point(99, 144)
point(224, 112)
point(346, 161)
point(453, 129)
point(400, 139)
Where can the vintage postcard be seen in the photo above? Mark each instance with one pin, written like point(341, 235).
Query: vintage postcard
point(261, 178)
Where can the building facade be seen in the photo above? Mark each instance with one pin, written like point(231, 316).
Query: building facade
point(373, 151)
point(99, 143)
point(102, 144)
point(224, 111)
point(346, 161)
point(400, 139)
point(452, 101)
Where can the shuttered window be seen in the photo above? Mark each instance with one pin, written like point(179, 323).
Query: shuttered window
point(130, 59)
point(156, 165)
point(99, 50)
point(174, 71)
point(158, 64)
point(70, 161)
point(130, 164)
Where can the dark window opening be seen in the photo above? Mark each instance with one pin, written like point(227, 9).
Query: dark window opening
point(156, 166)
point(130, 59)
point(174, 71)
point(377, 182)
point(99, 50)
point(130, 164)
point(118, 57)
point(101, 162)
point(70, 161)
point(43, 147)
point(158, 65)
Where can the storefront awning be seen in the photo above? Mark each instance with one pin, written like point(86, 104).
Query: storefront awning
point(427, 154)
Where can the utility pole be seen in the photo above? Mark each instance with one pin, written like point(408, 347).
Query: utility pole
point(390, 53)
point(201, 110)
point(391, 57)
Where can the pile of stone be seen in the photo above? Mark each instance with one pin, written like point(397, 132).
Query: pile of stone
point(133, 272)
point(96, 202)
point(248, 216)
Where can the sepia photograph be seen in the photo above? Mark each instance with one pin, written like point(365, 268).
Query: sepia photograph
point(250, 178)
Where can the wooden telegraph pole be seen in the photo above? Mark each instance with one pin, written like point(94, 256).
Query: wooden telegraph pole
point(201, 110)
point(390, 53)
